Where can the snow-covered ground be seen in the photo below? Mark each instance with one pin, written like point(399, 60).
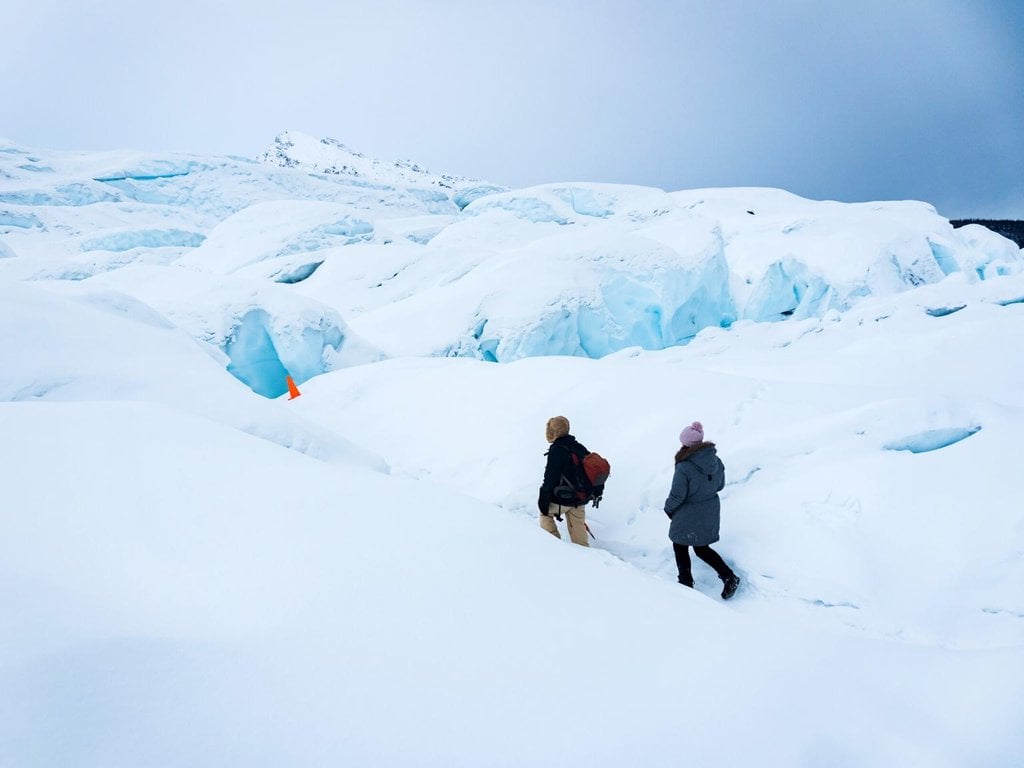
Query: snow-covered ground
point(195, 574)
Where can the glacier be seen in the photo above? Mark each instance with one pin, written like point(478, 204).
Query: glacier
point(314, 256)
point(853, 361)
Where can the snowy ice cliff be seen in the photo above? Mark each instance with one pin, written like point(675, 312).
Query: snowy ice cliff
point(317, 256)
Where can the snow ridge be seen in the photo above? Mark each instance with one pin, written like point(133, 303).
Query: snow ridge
point(331, 157)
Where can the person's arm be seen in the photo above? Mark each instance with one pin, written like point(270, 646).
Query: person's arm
point(552, 476)
point(677, 494)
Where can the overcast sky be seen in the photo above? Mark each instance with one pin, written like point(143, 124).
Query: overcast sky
point(846, 100)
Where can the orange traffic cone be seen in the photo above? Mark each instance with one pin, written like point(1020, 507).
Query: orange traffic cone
point(293, 391)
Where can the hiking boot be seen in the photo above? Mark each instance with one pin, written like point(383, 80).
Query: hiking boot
point(732, 583)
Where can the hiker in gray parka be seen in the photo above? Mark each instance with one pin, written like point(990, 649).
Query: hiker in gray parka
point(694, 508)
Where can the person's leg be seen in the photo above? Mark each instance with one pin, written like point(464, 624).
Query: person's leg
point(682, 554)
point(547, 522)
point(712, 558)
point(576, 519)
point(730, 581)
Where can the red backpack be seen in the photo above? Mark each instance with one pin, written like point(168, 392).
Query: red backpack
point(588, 473)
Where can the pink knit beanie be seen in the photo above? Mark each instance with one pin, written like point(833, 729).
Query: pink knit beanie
point(692, 434)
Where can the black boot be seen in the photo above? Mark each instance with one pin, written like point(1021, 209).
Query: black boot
point(732, 583)
point(682, 555)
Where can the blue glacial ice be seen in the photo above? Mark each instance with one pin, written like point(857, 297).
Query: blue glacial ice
point(943, 311)
point(261, 358)
point(254, 358)
point(793, 259)
point(144, 238)
point(464, 197)
point(628, 310)
point(220, 187)
point(152, 169)
point(931, 440)
point(346, 231)
point(527, 206)
point(19, 220)
point(73, 194)
point(297, 274)
point(585, 201)
point(944, 257)
point(788, 289)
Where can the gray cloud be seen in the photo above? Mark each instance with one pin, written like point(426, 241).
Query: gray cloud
point(846, 101)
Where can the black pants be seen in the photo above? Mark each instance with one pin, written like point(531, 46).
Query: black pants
point(707, 554)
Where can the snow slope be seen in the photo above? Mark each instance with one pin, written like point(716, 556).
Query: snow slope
point(195, 574)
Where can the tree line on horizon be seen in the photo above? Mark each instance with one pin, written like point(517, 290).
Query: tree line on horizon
point(1009, 228)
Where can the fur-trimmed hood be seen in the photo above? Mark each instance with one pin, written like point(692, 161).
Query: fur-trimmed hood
point(557, 426)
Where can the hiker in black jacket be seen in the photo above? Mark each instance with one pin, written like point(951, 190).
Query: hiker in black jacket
point(694, 508)
point(559, 466)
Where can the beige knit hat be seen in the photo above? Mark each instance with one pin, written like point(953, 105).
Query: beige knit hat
point(556, 427)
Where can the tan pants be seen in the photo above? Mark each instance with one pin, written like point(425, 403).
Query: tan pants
point(575, 518)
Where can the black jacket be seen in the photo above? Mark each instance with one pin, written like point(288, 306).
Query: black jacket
point(559, 464)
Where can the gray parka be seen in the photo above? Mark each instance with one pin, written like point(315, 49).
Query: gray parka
point(692, 504)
